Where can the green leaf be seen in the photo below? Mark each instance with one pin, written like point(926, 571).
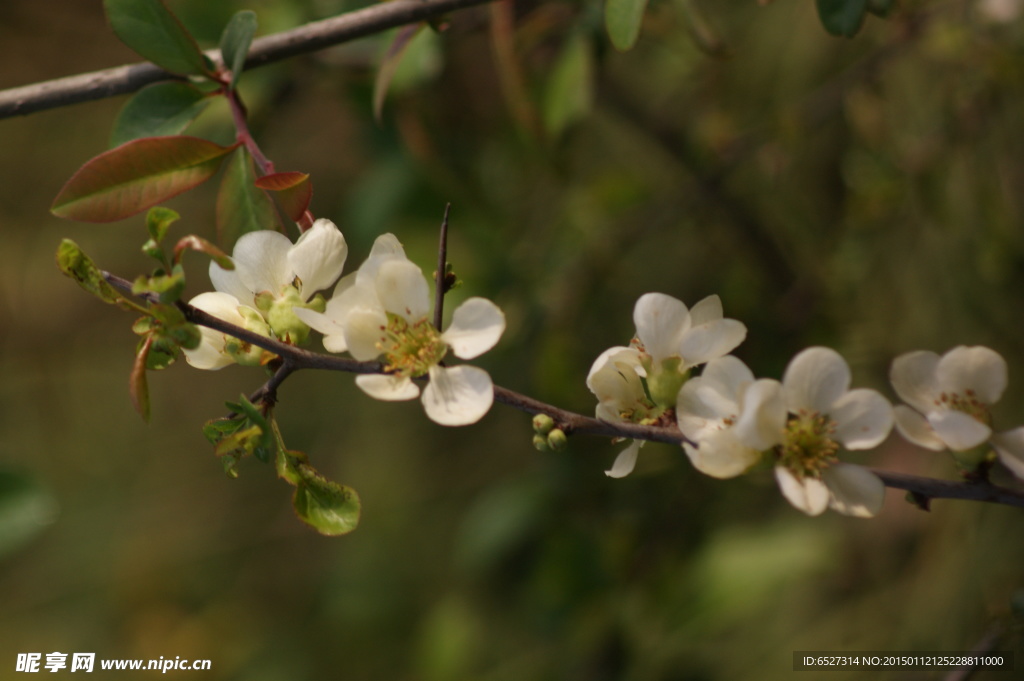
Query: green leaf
point(235, 42)
point(137, 175)
point(241, 206)
point(622, 20)
point(138, 387)
point(149, 28)
point(158, 110)
point(294, 191)
point(389, 64)
point(77, 265)
point(158, 221)
point(329, 508)
point(168, 287)
point(26, 508)
point(201, 245)
point(569, 94)
point(842, 17)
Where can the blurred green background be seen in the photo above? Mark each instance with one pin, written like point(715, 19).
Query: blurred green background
point(864, 194)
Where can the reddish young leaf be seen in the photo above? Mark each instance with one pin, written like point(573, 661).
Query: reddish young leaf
point(137, 175)
point(137, 386)
point(294, 191)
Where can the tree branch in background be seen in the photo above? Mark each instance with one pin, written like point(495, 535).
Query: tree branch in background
point(311, 37)
point(923, 489)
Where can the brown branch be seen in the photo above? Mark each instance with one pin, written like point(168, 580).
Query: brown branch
point(924, 489)
point(311, 37)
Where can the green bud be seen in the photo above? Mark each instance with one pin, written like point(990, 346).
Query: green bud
point(281, 317)
point(242, 352)
point(542, 424)
point(557, 440)
point(540, 443)
point(664, 382)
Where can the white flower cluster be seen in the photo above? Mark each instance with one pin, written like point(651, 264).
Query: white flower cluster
point(800, 424)
point(381, 310)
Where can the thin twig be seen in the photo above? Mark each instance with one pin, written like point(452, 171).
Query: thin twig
point(442, 266)
point(924, 489)
point(311, 37)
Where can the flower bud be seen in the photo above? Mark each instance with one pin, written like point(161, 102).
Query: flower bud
point(540, 443)
point(542, 424)
point(557, 440)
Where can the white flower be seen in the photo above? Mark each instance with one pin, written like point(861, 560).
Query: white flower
point(383, 310)
point(674, 339)
point(949, 396)
point(825, 413)
point(732, 418)
point(216, 349)
point(615, 379)
point(275, 276)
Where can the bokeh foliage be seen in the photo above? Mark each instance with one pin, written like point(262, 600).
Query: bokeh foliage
point(856, 193)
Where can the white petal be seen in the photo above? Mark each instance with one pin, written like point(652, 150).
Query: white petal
point(856, 491)
point(210, 354)
point(625, 461)
point(660, 322)
point(457, 396)
point(762, 417)
point(720, 455)
point(809, 495)
point(618, 354)
point(977, 369)
point(815, 379)
point(333, 331)
point(915, 428)
point(261, 260)
point(364, 330)
point(710, 340)
point(1010, 448)
point(385, 248)
point(227, 281)
point(913, 378)
point(863, 418)
point(707, 310)
point(403, 290)
point(476, 326)
point(318, 257)
point(388, 388)
point(958, 430)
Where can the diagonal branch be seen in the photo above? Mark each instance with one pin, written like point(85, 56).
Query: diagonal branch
point(311, 37)
point(924, 489)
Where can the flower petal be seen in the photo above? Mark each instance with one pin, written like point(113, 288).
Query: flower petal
point(616, 355)
point(710, 340)
point(913, 378)
point(915, 428)
point(388, 388)
point(385, 247)
point(707, 310)
point(333, 331)
point(261, 260)
point(660, 322)
point(318, 257)
point(977, 369)
point(1009, 446)
point(403, 290)
point(856, 491)
point(625, 461)
point(815, 379)
point(210, 354)
point(762, 417)
point(958, 430)
point(364, 330)
point(228, 281)
point(457, 396)
point(809, 495)
point(721, 455)
point(863, 418)
point(476, 326)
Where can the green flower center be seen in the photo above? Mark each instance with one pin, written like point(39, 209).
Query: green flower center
point(808, 448)
point(967, 403)
point(411, 349)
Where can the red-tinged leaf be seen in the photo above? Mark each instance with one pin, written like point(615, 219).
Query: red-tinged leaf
point(198, 243)
point(138, 388)
point(241, 206)
point(294, 191)
point(388, 66)
point(137, 175)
